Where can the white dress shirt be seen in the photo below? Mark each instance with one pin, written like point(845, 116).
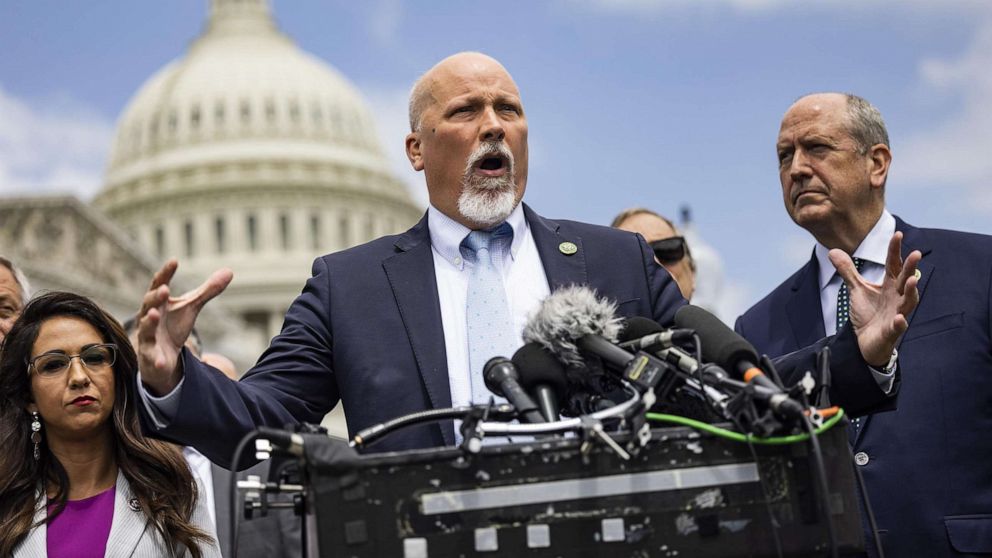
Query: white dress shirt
point(873, 250)
point(524, 281)
point(199, 465)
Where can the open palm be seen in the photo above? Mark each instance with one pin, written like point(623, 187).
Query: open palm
point(165, 322)
point(879, 312)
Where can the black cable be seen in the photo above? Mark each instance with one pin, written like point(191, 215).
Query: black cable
point(373, 433)
point(714, 405)
point(769, 367)
point(235, 511)
point(821, 476)
point(764, 490)
point(866, 504)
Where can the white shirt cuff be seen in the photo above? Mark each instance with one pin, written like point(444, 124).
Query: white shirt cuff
point(163, 409)
point(887, 376)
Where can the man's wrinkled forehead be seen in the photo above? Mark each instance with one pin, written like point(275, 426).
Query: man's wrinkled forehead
point(466, 75)
point(815, 109)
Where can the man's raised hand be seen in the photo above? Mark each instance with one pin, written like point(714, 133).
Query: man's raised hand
point(164, 323)
point(879, 312)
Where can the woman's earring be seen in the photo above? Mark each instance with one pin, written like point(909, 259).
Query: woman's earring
point(36, 434)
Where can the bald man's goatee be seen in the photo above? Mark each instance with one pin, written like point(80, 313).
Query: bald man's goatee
point(488, 200)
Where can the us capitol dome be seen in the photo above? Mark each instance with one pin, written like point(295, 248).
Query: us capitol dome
point(252, 154)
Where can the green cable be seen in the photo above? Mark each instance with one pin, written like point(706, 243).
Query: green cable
point(746, 438)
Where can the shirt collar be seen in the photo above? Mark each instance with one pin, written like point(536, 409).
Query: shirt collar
point(874, 248)
point(447, 234)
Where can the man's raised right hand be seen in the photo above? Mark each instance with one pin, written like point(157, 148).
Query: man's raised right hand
point(165, 322)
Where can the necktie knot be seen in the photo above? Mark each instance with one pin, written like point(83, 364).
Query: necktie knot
point(858, 263)
point(483, 242)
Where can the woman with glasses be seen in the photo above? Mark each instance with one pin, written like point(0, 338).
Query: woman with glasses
point(77, 478)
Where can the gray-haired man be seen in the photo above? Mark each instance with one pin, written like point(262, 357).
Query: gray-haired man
point(14, 292)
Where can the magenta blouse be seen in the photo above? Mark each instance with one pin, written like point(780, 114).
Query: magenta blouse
point(82, 529)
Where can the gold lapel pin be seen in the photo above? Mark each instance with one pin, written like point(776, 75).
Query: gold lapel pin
point(918, 274)
point(568, 248)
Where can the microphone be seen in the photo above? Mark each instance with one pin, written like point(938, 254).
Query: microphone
point(642, 334)
point(543, 376)
point(502, 378)
point(574, 320)
point(730, 351)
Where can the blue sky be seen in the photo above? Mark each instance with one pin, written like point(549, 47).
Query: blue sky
point(630, 102)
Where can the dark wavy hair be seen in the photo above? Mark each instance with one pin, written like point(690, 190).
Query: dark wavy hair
point(156, 470)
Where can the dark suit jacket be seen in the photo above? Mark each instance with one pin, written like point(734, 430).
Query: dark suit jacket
point(929, 477)
point(272, 536)
point(367, 331)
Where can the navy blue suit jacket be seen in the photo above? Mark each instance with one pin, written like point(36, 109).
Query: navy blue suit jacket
point(367, 332)
point(929, 474)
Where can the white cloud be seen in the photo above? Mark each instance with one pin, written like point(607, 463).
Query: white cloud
point(955, 152)
point(384, 24)
point(54, 145)
point(389, 108)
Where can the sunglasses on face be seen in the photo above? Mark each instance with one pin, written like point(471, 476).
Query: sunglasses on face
point(669, 250)
point(95, 359)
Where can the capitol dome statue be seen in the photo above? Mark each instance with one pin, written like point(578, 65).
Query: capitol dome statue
point(251, 154)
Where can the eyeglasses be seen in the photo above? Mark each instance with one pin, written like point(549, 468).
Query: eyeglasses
point(669, 250)
point(96, 358)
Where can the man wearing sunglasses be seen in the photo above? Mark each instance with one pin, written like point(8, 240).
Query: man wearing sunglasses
point(670, 248)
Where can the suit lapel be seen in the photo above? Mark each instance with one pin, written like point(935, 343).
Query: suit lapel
point(129, 521)
point(803, 308)
point(913, 239)
point(561, 269)
point(222, 506)
point(411, 276)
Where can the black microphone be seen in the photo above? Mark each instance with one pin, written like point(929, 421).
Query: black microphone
point(543, 376)
point(643, 334)
point(730, 351)
point(502, 378)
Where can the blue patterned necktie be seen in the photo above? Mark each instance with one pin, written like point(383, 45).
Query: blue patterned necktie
point(843, 315)
point(489, 326)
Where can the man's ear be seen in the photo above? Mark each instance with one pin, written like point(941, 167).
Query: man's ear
point(413, 152)
point(879, 158)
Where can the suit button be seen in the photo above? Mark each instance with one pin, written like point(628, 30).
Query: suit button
point(861, 458)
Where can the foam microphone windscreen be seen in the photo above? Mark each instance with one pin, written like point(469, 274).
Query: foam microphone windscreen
point(637, 326)
point(537, 366)
point(720, 344)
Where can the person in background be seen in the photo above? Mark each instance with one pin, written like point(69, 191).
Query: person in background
point(77, 477)
point(925, 464)
point(670, 247)
point(14, 292)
